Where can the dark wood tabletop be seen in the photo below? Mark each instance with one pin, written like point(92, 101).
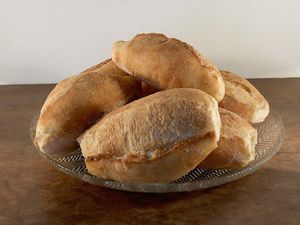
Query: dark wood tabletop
point(33, 192)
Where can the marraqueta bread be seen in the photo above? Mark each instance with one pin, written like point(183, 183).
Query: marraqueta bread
point(156, 139)
point(78, 101)
point(166, 63)
point(236, 147)
point(242, 98)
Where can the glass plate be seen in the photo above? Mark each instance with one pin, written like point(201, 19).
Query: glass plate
point(270, 138)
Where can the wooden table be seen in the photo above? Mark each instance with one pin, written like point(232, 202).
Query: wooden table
point(34, 192)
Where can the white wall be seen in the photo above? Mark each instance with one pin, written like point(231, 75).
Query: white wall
point(45, 41)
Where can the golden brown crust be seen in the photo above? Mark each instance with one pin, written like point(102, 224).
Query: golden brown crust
point(236, 147)
point(100, 65)
point(242, 98)
point(77, 102)
point(144, 140)
point(107, 67)
point(166, 63)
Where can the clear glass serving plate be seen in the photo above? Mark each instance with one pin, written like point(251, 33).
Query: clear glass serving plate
point(270, 138)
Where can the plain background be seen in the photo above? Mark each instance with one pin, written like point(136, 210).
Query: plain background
point(45, 41)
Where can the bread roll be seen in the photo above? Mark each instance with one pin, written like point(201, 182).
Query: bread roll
point(167, 63)
point(236, 147)
point(243, 98)
point(156, 139)
point(77, 102)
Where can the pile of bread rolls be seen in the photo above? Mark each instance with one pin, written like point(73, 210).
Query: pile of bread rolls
point(155, 111)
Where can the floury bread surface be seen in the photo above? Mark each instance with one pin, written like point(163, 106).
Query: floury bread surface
point(156, 139)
